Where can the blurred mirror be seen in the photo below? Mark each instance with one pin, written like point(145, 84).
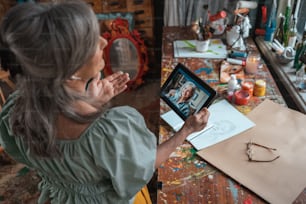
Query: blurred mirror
point(124, 57)
point(125, 52)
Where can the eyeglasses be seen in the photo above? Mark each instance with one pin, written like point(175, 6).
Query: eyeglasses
point(250, 152)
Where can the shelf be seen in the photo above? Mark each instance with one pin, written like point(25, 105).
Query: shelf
point(285, 75)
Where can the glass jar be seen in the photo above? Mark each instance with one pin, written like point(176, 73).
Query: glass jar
point(252, 62)
point(260, 88)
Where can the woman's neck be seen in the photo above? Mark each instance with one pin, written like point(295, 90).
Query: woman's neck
point(68, 129)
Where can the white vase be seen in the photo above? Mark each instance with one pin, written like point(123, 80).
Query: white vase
point(202, 45)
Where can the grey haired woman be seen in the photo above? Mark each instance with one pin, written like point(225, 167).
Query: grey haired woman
point(181, 97)
point(57, 121)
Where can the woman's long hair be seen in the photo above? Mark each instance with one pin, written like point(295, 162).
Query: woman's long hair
point(46, 44)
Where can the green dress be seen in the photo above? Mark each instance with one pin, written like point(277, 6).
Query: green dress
point(110, 162)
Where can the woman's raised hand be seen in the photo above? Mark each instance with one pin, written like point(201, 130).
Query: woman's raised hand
point(105, 89)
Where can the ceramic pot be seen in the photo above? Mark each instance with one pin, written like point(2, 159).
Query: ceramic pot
point(202, 45)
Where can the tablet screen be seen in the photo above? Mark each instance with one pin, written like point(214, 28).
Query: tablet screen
point(185, 92)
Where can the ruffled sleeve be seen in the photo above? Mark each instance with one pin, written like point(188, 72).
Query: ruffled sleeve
point(7, 139)
point(126, 148)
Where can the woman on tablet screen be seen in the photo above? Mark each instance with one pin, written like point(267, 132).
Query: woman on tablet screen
point(181, 97)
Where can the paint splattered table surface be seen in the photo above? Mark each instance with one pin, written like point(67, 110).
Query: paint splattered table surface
point(185, 177)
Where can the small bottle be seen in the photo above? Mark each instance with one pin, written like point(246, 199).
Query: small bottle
point(235, 53)
point(287, 23)
point(232, 84)
point(279, 34)
point(299, 58)
point(292, 35)
point(236, 61)
point(217, 16)
point(304, 33)
point(300, 73)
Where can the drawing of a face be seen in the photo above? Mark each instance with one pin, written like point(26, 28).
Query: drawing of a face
point(223, 126)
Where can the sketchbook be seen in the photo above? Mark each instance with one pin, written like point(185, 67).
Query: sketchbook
point(186, 48)
point(225, 121)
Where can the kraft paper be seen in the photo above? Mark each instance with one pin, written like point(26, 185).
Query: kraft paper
point(280, 181)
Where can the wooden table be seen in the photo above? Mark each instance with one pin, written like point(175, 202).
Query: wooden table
point(185, 177)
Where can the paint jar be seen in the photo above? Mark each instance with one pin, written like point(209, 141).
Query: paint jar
point(260, 88)
point(242, 97)
point(248, 86)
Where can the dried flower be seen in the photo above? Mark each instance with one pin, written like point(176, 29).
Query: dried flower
point(202, 32)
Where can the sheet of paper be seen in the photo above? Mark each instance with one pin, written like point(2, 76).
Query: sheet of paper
point(227, 122)
point(173, 119)
point(176, 122)
point(280, 181)
point(186, 48)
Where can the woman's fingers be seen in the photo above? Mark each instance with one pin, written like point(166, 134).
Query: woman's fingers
point(198, 121)
point(202, 117)
point(113, 76)
point(117, 76)
point(118, 79)
point(204, 114)
point(105, 89)
point(94, 83)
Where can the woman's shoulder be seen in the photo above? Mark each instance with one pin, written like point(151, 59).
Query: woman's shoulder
point(122, 108)
point(121, 116)
point(121, 122)
point(121, 119)
point(121, 111)
point(121, 127)
point(122, 131)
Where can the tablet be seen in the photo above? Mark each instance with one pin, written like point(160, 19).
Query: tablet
point(185, 92)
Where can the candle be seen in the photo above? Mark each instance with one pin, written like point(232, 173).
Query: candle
point(252, 63)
